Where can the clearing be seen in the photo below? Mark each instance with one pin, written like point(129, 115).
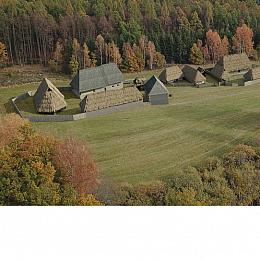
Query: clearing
point(152, 142)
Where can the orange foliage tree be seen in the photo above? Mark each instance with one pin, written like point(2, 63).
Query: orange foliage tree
point(213, 44)
point(243, 40)
point(9, 128)
point(76, 165)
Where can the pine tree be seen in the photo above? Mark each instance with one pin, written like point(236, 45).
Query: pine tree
point(196, 55)
point(73, 65)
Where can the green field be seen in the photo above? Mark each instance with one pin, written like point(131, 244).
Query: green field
point(152, 142)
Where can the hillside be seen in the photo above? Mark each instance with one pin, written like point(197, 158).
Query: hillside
point(37, 31)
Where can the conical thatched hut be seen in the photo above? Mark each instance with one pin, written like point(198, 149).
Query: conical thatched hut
point(171, 74)
point(229, 65)
point(252, 74)
point(48, 99)
point(193, 75)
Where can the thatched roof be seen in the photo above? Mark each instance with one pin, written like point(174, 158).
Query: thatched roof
point(193, 75)
point(104, 99)
point(96, 78)
point(229, 64)
point(48, 99)
point(252, 74)
point(171, 74)
point(155, 87)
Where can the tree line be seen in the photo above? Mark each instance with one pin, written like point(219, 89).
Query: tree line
point(74, 34)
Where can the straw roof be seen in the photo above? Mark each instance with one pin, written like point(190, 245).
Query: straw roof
point(96, 78)
point(48, 99)
point(171, 74)
point(99, 100)
point(229, 64)
point(252, 74)
point(155, 87)
point(193, 75)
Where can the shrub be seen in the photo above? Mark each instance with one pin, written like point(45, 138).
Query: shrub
point(152, 194)
point(240, 155)
point(183, 197)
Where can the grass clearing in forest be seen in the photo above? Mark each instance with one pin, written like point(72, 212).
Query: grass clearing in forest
point(152, 142)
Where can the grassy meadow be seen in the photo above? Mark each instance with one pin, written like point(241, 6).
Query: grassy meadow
point(152, 142)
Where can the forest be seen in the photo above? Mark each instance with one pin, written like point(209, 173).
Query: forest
point(73, 34)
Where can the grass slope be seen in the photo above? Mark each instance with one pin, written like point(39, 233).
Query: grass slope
point(152, 142)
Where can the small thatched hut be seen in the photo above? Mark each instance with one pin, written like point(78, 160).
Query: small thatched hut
point(155, 92)
point(230, 64)
point(252, 74)
point(193, 75)
point(48, 99)
point(171, 74)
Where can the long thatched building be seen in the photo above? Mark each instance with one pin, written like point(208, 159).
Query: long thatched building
point(97, 79)
point(48, 99)
point(171, 74)
point(192, 75)
point(100, 100)
point(230, 65)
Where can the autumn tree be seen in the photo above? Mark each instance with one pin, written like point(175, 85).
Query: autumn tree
point(132, 58)
point(93, 59)
point(224, 46)
point(58, 53)
point(213, 44)
point(114, 53)
point(142, 44)
point(57, 60)
point(196, 55)
point(100, 44)
point(196, 26)
point(159, 60)
point(151, 50)
point(76, 49)
point(86, 56)
point(73, 65)
point(140, 62)
point(28, 172)
point(3, 54)
point(76, 165)
point(243, 40)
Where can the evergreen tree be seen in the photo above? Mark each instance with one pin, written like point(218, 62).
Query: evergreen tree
point(73, 65)
point(196, 55)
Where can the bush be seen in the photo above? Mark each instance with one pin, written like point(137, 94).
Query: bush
point(240, 155)
point(54, 66)
point(151, 194)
